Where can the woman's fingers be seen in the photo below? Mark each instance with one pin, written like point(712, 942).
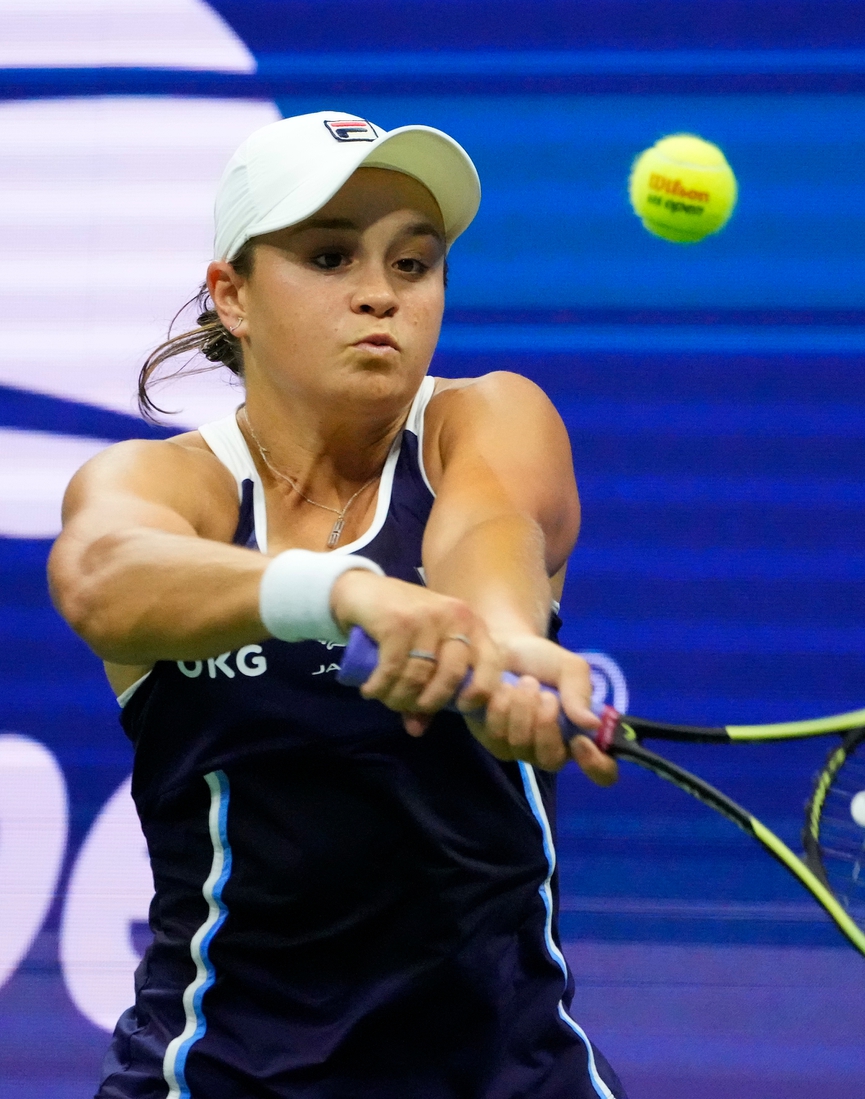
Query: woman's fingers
point(552, 753)
point(595, 764)
point(416, 724)
point(393, 649)
point(427, 645)
point(570, 675)
point(510, 717)
point(425, 684)
point(522, 723)
point(404, 670)
point(487, 664)
point(575, 691)
point(455, 655)
point(421, 673)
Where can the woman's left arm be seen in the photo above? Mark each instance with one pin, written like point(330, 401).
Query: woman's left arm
point(505, 520)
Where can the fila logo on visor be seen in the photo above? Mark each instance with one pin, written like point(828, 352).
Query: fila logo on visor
point(351, 129)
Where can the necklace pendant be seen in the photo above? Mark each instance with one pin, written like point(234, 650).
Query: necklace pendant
point(336, 532)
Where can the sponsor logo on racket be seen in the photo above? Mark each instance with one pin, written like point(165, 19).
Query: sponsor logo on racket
point(351, 129)
point(609, 686)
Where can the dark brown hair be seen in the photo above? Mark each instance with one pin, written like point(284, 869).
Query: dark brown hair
point(209, 338)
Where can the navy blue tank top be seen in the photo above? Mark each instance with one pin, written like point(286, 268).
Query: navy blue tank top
point(341, 911)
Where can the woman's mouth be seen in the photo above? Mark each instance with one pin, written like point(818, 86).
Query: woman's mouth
point(377, 342)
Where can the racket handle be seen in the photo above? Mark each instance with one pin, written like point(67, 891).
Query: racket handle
point(361, 657)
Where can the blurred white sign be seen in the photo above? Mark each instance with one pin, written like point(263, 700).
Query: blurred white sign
point(34, 819)
point(106, 222)
point(180, 34)
point(110, 890)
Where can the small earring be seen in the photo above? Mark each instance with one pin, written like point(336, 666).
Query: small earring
point(239, 319)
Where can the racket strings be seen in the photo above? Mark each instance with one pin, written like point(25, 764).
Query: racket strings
point(842, 836)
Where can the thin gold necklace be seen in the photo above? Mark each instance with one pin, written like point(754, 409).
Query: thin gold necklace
point(335, 533)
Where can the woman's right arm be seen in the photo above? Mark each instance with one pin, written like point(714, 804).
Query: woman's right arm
point(144, 571)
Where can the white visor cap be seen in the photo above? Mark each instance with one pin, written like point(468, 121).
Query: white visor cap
point(286, 171)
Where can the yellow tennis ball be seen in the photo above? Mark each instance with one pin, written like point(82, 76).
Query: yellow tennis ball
point(682, 188)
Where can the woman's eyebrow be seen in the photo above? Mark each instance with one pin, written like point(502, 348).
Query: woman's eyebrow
point(425, 229)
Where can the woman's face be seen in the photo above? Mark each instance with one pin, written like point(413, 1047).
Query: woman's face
point(346, 306)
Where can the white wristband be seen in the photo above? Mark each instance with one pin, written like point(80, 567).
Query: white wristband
point(294, 597)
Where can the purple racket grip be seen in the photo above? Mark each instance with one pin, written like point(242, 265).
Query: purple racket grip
point(361, 657)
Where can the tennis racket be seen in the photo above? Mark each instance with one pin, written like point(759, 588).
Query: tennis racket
point(832, 867)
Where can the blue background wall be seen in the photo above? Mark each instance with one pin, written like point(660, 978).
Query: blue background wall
point(715, 403)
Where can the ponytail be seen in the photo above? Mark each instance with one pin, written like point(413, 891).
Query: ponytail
point(210, 339)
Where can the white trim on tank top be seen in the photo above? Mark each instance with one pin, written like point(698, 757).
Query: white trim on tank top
point(416, 420)
point(226, 440)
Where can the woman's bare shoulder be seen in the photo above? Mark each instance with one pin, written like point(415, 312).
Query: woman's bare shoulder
point(488, 413)
point(501, 394)
point(187, 455)
point(498, 382)
point(181, 474)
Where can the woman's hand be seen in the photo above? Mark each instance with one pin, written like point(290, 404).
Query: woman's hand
point(427, 644)
point(521, 720)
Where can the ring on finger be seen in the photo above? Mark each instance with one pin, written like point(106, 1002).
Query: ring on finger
point(459, 637)
point(424, 654)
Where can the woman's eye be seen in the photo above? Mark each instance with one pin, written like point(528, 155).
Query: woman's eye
point(328, 261)
point(411, 266)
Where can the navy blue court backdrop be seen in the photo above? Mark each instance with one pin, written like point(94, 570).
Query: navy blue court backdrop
point(714, 400)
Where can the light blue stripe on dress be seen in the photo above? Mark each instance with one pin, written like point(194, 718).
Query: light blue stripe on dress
point(533, 794)
point(174, 1062)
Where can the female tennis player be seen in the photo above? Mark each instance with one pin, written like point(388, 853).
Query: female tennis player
point(354, 893)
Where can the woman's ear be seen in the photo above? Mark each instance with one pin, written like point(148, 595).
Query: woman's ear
point(224, 285)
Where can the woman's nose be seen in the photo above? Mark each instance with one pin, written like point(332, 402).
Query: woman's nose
point(374, 294)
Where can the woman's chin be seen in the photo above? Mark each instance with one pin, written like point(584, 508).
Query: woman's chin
point(382, 371)
point(380, 382)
